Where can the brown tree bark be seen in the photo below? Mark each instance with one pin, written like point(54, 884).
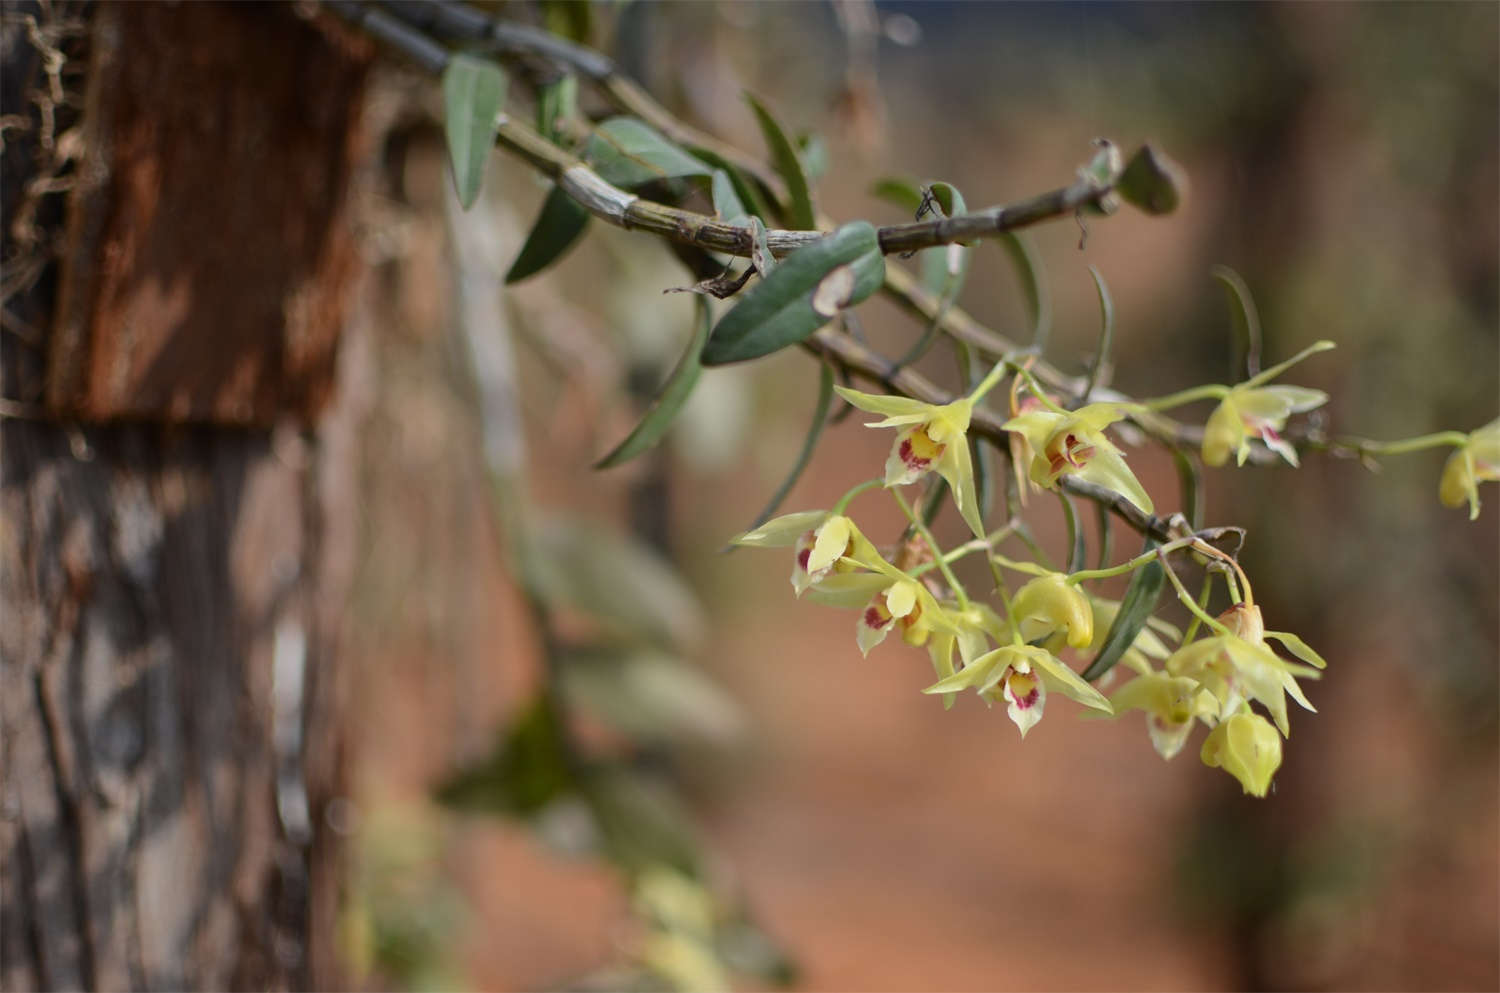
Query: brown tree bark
point(176, 473)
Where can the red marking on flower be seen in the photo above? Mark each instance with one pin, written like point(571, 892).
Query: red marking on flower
point(1071, 453)
point(911, 459)
point(1023, 701)
point(804, 556)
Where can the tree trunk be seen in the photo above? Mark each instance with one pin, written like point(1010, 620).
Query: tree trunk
point(177, 492)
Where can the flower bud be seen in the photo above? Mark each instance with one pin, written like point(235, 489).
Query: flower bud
point(1048, 604)
point(1248, 748)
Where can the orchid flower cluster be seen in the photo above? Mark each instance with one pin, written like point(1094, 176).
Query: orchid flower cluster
point(1016, 649)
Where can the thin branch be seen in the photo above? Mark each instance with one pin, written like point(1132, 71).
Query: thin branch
point(457, 21)
point(622, 209)
point(626, 210)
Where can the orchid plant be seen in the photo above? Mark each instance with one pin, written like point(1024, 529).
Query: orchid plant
point(1220, 673)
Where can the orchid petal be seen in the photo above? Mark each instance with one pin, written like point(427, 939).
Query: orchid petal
point(878, 403)
point(1299, 648)
point(1108, 469)
point(1067, 682)
point(783, 530)
point(956, 466)
point(846, 589)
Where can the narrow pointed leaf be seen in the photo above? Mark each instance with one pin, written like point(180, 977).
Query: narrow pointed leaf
point(800, 214)
point(746, 948)
point(651, 696)
point(556, 230)
point(747, 191)
point(525, 772)
point(1106, 332)
point(1106, 535)
point(948, 198)
point(473, 94)
point(627, 152)
point(805, 291)
point(950, 203)
point(556, 101)
point(1246, 321)
point(760, 252)
point(814, 431)
point(1077, 540)
point(727, 203)
point(1187, 482)
point(642, 823)
point(1023, 255)
point(615, 578)
point(904, 193)
point(812, 152)
point(669, 400)
point(1135, 610)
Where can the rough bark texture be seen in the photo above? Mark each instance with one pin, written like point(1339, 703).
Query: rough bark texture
point(169, 734)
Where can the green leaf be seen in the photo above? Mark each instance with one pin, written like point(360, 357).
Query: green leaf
point(570, 19)
point(1246, 320)
point(557, 228)
point(1077, 539)
point(1106, 332)
point(527, 770)
point(615, 578)
point(556, 101)
point(950, 203)
point(650, 696)
point(982, 454)
point(1187, 482)
point(1023, 255)
point(627, 152)
point(812, 152)
point(804, 292)
point(473, 94)
point(669, 399)
point(800, 214)
point(948, 198)
point(1106, 535)
point(814, 430)
point(744, 947)
point(641, 822)
point(727, 203)
point(904, 193)
point(747, 192)
point(1152, 182)
point(760, 251)
point(1135, 610)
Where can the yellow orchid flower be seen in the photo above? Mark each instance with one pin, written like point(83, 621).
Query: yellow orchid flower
point(1050, 607)
point(1248, 748)
point(1475, 462)
point(1171, 704)
point(1074, 444)
point(932, 438)
point(823, 542)
point(1021, 675)
point(1238, 666)
point(970, 631)
point(1255, 411)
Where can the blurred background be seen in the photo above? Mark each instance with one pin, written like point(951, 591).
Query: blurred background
point(1343, 158)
